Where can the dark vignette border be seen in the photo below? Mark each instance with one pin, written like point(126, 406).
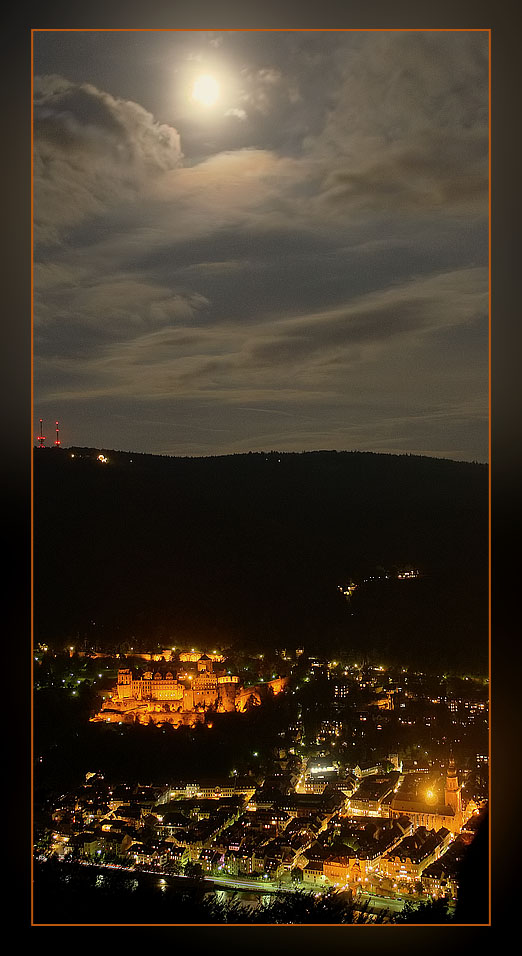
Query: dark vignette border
point(17, 413)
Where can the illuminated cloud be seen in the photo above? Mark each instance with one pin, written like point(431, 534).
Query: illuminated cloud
point(91, 152)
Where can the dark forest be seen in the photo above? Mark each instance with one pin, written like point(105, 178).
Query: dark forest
point(249, 551)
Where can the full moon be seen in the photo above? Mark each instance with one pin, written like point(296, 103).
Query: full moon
point(205, 90)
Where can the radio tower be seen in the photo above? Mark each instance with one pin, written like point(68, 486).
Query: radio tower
point(41, 437)
point(57, 442)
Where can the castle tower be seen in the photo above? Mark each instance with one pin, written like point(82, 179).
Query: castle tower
point(124, 683)
point(205, 664)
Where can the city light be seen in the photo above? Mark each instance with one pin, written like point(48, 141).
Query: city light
point(314, 765)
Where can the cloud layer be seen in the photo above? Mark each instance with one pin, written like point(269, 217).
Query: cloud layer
point(307, 270)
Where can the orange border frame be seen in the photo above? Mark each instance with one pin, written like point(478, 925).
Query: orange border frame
point(255, 30)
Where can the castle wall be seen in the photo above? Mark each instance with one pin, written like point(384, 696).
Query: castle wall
point(161, 697)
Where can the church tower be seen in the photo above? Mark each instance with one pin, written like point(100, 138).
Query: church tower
point(452, 794)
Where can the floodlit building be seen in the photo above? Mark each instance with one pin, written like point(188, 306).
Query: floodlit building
point(160, 696)
point(431, 808)
point(415, 852)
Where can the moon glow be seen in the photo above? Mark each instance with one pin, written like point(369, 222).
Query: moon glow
point(205, 90)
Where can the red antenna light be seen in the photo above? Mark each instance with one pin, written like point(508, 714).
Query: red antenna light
point(57, 442)
point(41, 437)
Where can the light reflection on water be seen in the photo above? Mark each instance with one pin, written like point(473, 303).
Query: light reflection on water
point(244, 898)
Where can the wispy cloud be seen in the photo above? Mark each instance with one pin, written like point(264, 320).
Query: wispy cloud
point(321, 248)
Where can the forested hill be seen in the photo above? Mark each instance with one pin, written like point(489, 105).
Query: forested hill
point(251, 548)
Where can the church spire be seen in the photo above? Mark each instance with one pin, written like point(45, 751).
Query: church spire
point(452, 796)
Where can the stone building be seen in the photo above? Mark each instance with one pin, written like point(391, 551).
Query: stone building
point(159, 696)
point(429, 806)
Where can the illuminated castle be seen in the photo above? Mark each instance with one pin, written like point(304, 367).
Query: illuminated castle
point(161, 696)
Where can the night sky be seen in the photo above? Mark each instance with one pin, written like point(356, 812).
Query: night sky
point(300, 264)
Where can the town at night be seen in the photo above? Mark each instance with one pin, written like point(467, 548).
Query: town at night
point(325, 776)
point(260, 778)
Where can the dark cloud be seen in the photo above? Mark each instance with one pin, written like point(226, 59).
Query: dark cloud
point(316, 247)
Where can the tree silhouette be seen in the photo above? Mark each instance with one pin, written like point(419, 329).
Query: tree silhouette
point(429, 911)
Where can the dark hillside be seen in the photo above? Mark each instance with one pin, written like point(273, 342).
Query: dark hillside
point(252, 547)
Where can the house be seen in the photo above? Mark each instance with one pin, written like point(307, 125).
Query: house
point(313, 873)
